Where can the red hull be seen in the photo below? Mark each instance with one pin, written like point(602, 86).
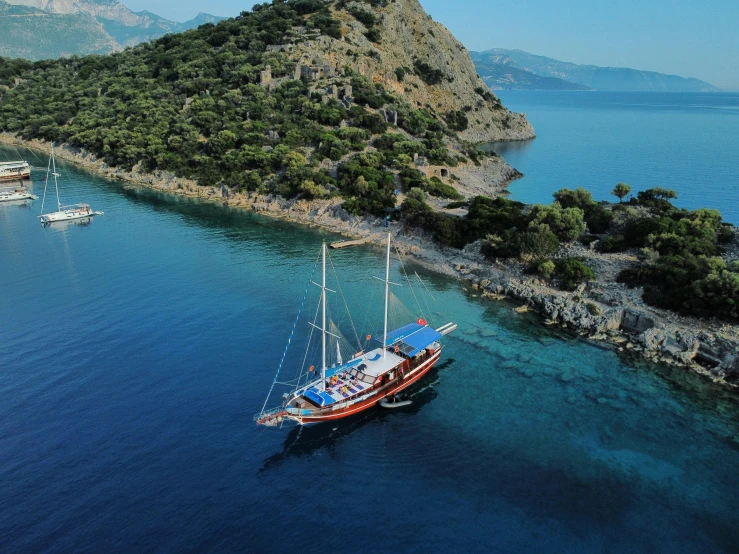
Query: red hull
point(392, 388)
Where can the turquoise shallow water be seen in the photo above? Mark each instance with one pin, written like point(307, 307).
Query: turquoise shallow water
point(135, 350)
point(685, 141)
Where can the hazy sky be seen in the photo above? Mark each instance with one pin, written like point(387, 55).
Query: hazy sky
point(688, 38)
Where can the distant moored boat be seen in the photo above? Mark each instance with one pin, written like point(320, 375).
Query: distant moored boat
point(14, 171)
point(63, 213)
point(12, 194)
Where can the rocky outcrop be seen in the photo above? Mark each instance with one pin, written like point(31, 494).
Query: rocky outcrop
point(410, 37)
point(705, 347)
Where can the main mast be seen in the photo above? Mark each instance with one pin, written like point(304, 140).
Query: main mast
point(46, 183)
point(387, 294)
point(323, 326)
point(56, 184)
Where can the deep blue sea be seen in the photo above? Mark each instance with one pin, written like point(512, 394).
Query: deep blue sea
point(135, 350)
point(688, 142)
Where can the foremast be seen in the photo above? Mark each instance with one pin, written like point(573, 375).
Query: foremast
point(323, 324)
point(387, 296)
point(51, 170)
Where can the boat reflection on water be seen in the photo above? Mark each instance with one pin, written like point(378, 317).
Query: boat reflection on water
point(305, 441)
point(25, 203)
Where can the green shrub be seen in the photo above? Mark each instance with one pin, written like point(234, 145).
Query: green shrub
point(368, 19)
point(566, 223)
point(374, 35)
point(612, 243)
point(544, 268)
point(657, 198)
point(535, 242)
point(571, 272)
point(457, 120)
point(597, 218)
point(428, 74)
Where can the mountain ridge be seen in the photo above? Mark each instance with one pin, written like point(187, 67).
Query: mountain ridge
point(500, 76)
point(592, 76)
point(42, 29)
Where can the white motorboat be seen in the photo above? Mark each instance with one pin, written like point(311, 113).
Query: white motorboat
point(63, 213)
point(13, 194)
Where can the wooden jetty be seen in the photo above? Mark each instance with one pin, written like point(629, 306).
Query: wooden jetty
point(345, 243)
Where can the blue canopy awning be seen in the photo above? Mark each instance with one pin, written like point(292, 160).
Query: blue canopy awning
point(399, 334)
point(412, 338)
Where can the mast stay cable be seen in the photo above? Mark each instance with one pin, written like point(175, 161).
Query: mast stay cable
point(289, 340)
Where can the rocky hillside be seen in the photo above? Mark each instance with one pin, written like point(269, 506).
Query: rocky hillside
point(43, 29)
point(403, 49)
point(592, 76)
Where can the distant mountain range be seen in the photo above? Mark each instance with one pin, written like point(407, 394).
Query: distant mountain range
point(516, 69)
point(41, 29)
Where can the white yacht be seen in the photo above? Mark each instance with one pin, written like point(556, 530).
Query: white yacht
point(11, 194)
point(63, 213)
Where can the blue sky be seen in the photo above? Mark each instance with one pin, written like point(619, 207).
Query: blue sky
point(688, 38)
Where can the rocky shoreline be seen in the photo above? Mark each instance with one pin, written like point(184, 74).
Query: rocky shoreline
point(602, 310)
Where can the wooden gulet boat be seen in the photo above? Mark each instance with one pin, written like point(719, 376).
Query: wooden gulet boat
point(401, 357)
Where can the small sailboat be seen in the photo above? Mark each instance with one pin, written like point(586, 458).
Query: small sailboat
point(63, 213)
point(400, 357)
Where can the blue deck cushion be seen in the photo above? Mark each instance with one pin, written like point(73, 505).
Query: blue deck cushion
point(314, 397)
point(330, 372)
point(412, 338)
point(327, 397)
point(319, 397)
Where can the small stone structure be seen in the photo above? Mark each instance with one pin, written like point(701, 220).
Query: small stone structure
point(313, 72)
point(390, 116)
point(265, 77)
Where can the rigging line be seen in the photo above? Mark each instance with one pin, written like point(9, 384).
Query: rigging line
point(308, 343)
point(367, 313)
point(307, 347)
point(424, 286)
point(405, 272)
point(343, 298)
point(289, 340)
point(425, 302)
